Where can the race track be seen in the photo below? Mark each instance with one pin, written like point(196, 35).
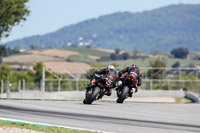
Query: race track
point(130, 117)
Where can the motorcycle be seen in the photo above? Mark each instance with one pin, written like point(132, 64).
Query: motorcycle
point(126, 85)
point(97, 88)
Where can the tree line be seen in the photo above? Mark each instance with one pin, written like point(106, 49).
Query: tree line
point(31, 77)
point(180, 52)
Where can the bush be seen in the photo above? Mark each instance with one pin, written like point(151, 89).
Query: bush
point(197, 57)
point(176, 64)
point(157, 73)
point(180, 52)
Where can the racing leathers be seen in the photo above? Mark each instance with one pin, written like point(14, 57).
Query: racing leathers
point(133, 69)
point(107, 73)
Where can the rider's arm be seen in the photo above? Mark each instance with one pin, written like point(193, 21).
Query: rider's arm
point(140, 80)
point(100, 72)
point(123, 71)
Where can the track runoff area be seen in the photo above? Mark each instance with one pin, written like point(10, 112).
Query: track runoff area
point(105, 116)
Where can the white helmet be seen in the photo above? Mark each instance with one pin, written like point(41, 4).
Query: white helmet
point(111, 67)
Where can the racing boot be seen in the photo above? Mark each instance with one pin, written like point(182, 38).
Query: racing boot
point(131, 93)
point(135, 89)
point(109, 92)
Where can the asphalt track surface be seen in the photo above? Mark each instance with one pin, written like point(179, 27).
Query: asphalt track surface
point(129, 117)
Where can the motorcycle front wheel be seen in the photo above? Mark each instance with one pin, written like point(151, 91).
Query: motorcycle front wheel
point(92, 97)
point(123, 94)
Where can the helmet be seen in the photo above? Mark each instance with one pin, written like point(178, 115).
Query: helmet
point(133, 65)
point(111, 67)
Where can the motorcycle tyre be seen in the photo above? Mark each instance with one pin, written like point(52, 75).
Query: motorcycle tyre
point(123, 94)
point(93, 96)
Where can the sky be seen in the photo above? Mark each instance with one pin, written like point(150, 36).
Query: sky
point(50, 15)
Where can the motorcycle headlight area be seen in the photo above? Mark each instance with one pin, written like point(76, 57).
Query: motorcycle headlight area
point(119, 82)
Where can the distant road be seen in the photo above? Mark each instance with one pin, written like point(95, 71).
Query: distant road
point(107, 116)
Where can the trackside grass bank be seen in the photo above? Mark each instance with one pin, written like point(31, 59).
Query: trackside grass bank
point(40, 128)
point(182, 100)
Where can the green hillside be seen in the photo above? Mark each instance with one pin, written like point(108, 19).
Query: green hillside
point(87, 51)
point(84, 54)
point(145, 62)
point(161, 30)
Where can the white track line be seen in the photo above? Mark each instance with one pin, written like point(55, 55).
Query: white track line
point(51, 125)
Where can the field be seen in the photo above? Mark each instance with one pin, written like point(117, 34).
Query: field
point(145, 62)
point(68, 67)
point(52, 58)
point(67, 58)
point(88, 51)
point(58, 60)
point(87, 55)
point(29, 59)
point(33, 56)
point(106, 50)
point(54, 52)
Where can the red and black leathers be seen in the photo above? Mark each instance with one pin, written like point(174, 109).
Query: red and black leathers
point(132, 70)
point(108, 73)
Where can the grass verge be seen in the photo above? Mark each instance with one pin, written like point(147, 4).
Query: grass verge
point(182, 100)
point(45, 129)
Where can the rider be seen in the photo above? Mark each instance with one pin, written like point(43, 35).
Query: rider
point(133, 69)
point(109, 72)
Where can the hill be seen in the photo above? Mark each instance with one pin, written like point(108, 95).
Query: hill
point(161, 30)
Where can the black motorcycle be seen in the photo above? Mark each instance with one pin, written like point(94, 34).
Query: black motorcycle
point(97, 88)
point(126, 85)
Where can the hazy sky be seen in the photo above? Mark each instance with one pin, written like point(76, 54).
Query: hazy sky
point(49, 15)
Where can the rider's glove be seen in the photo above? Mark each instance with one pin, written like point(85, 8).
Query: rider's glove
point(120, 74)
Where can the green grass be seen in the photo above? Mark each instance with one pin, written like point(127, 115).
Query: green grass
point(183, 62)
point(80, 58)
point(182, 100)
point(125, 63)
point(87, 51)
point(29, 58)
point(145, 62)
point(83, 54)
point(45, 129)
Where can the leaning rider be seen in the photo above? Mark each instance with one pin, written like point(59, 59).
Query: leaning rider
point(109, 72)
point(133, 69)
